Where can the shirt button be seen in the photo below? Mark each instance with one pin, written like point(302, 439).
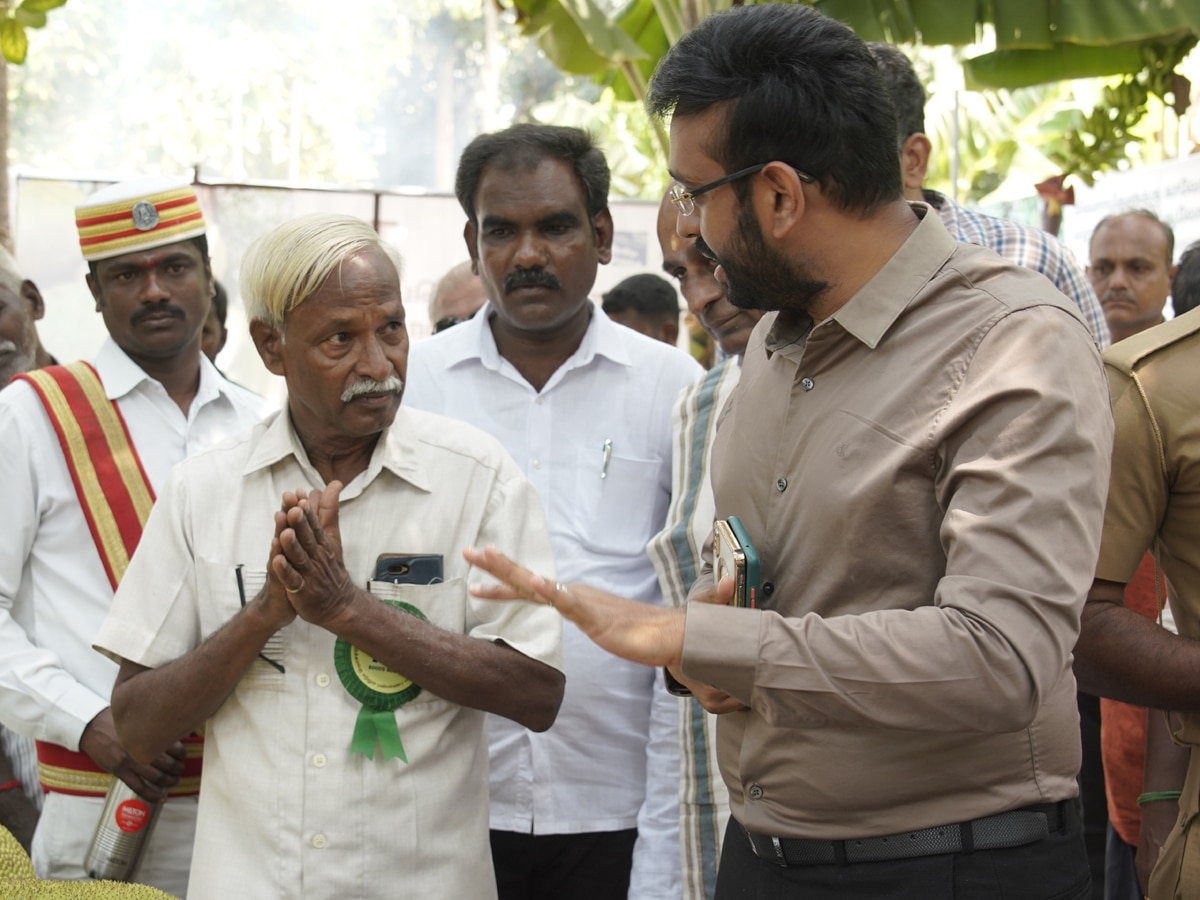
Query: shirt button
point(322, 680)
point(807, 383)
point(781, 485)
point(320, 841)
point(536, 463)
point(768, 588)
point(319, 760)
point(756, 792)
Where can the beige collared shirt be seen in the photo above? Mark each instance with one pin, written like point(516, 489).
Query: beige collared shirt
point(923, 475)
point(286, 810)
point(1154, 495)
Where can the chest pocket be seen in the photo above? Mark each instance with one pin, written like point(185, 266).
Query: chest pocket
point(228, 589)
point(443, 604)
point(619, 513)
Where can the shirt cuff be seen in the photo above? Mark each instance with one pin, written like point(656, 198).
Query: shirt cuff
point(65, 721)
point(721, 647)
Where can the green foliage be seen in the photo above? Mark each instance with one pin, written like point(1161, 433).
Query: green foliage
point(1100, 140)
point(14, 43)
point(624, 132)
point(1037, 43)
point(996, 131)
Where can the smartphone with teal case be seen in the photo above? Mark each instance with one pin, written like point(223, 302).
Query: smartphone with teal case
point(735, 556)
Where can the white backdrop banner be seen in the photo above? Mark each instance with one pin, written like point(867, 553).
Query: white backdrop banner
point(426, 229)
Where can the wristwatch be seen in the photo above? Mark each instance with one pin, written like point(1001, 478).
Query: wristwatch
point(675, 687)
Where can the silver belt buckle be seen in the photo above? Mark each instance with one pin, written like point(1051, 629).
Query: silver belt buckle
point(775, 842)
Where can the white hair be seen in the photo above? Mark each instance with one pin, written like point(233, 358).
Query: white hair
point(288, 264)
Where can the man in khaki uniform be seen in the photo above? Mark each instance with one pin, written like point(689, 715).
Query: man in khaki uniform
point(1153, 504)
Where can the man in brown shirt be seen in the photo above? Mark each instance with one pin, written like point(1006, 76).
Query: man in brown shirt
point(918, 448)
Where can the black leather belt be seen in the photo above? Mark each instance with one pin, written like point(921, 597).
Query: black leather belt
point(1009, 829)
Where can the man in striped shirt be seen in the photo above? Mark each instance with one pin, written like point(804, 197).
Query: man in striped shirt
point(675, 551)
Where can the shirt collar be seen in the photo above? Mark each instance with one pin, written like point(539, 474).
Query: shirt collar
point(212, 383)
point(879, 303)
point(473, 340)
point(397, 451)
point(120, 376)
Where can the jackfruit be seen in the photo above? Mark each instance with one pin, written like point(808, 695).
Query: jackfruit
point(18, 882)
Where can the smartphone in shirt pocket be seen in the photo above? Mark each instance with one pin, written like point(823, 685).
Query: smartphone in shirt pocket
point(409, 568)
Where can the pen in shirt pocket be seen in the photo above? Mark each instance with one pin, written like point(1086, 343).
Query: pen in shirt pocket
point(606, 452)
point(241, 583)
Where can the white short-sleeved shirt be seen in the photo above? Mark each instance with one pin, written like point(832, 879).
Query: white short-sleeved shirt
point(596, 442)
point(286, 810)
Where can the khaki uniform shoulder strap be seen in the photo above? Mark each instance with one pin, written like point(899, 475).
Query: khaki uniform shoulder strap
point(1125, 355)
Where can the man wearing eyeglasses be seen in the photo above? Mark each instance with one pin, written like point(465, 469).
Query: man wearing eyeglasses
point(918, 449)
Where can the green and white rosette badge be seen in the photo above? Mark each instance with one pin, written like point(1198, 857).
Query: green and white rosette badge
point(380, 691)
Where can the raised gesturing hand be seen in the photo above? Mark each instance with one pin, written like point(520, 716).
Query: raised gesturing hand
point(639, 632)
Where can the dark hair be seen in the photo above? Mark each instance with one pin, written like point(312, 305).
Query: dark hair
point(646, 294)
point(1167, 231)
point(524, 146)
point(904, 89)
point(220, 301)
point(200, 240)
point(801, 88)
point(1185, 286)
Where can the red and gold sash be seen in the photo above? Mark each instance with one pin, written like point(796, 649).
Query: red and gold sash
point(73, 771)
point(115, 496)
point(113, 490)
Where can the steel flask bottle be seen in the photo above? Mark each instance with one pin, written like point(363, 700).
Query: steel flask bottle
point(121, 835)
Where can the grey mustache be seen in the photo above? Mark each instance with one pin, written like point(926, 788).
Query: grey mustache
point(390, 385)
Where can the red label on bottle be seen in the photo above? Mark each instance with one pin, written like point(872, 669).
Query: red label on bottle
point(132, 816)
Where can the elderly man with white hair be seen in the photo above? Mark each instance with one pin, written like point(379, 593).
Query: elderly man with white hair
point(301, 591)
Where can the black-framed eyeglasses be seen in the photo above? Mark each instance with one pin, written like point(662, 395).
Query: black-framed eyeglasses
point(449, 322)
point(685, 200)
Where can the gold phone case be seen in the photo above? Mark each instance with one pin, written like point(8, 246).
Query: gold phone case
point(729, 559)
